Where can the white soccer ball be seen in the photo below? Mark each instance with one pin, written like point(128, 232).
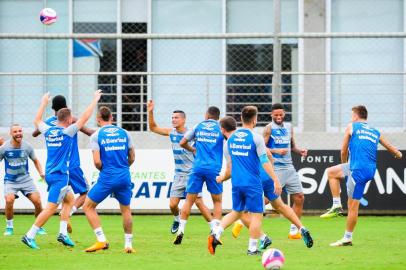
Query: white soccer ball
point(48, 16)
point(273, 259)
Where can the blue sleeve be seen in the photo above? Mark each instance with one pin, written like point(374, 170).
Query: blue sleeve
point(263, 159)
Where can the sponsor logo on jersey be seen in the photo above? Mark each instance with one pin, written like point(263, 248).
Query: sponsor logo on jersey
point(208, 125)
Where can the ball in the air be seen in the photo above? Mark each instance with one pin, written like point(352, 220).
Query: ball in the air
point(48, 16)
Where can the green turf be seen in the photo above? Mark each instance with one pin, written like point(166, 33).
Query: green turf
point(379, 243)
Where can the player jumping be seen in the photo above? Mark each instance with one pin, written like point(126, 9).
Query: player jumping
point(113, 154)
point(183, 163)
point(15, 153)
point(358, 157)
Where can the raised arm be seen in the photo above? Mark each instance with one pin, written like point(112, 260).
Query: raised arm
point(84, 129)
point(151, 121)
point(40, 112)
point(346, 142)
point(294, 148)
point(392, 149)
point(36, 133)
point(89, 110)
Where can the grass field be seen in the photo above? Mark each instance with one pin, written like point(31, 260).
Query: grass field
point(379, 243)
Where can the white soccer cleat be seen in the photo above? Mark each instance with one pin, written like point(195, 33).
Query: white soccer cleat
point(342, 243)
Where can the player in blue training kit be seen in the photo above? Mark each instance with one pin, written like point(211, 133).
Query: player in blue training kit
point(16, 153)
point(228, 126)
point(208, 150)
point(113, 154)
point(183, 163)
point(76, 176)
point(361, 144)
point(245, 152)
point(59, 141)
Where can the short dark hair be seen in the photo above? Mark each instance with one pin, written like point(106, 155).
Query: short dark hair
point(248, 113)
point(63, 114)
point(104, 113)
point(361, 111)
point(58, 102)
point(277, 106)
point(228, 123)
point(181, 112)
point(213, 112)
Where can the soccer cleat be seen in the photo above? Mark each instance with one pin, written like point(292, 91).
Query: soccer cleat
point(175, 227)
point(42, 231)
point(342, 243)
point(254, 253)
point(69, 227)
point(265, 243)
point(178, 239)
point(307, 238)
point(29, 242)
point(65, 240)
point(212, 243)
point(333, 212)
point(295, 236)
point(236, 229)
point(129, 250)
point(8, 232)
point(97, 246)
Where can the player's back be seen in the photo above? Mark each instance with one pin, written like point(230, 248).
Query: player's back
point(74, 161)
point(363, 146)
point(242, 148)
point(183, 158)
point(281, 138)
point(209, 146)
point(59, 142)
point(113, 143)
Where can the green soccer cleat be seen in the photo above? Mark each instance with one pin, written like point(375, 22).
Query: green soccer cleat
point(8, 232)
point(333, 212)
point(65, 240)
point(265, 244)
point(307, 238)
point(29, 242)
point(42, 231)
point(342, 243)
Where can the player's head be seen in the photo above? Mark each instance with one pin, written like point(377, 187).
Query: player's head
point(228, 125)
point(277, 113)
point(104, 116)
point(16, 133)
point(178, 119)
point(64, 116)
point(213, 113)
point(249, 115)
point(58, 102)
point(359, 113)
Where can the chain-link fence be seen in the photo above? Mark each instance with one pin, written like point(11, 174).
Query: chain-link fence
point(320, 77)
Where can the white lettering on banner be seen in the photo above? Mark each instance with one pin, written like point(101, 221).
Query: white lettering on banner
point(391, 175)
point(317, 159)
point(152, 176)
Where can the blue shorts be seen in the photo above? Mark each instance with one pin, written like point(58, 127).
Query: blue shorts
point(247, 199)
point(77, 181)
point(196, 180)
point(121, 189)
point(269, 189)
point(356, 180)
point(57, 187)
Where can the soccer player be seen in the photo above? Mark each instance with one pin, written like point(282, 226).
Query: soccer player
point(245, 151)
point(183, 163)
point(228, 126)
point(76, 177)
point(15, 153)
point(59, 140)
point(208, 151)
point(358, 157)
point(113, 154)
point(279, 139)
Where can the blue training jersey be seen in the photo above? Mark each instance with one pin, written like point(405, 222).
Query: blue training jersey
point(183, 158)
point(16, 161)
point(74, 157)
point(113, 143)
point(59, 142)
point(244, 147)
point(209, 146)
point(363, 146)
point(281, 137)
